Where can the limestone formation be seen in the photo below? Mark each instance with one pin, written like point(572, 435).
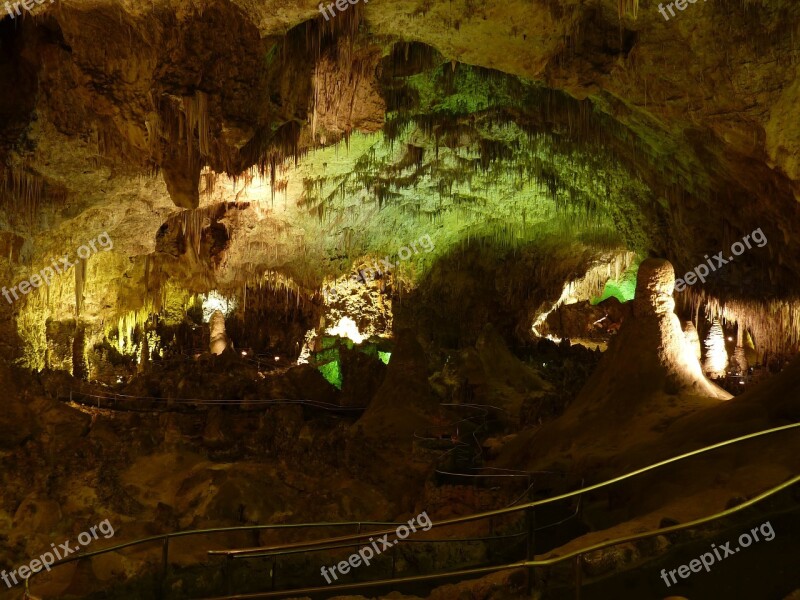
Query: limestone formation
point(218, 340)
point(693, 338)
point(650, 357)
point(144, 355)
point(738, 363)
point(716, 355)
point(654, 285)
point(245, 156)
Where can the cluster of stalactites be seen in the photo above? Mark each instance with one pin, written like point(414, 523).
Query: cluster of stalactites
point(23, 192)
point(195, 109)
point(590, 285)
point(774, 325)
point(127, 324)
point(270, 288)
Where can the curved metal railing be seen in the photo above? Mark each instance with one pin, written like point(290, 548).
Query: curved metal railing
point(115, 401)
point(534, 504)
point(528, 507)
point(526, 564)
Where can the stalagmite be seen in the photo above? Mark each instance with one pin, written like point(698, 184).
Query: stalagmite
point(144, 356)
point(716, 355)
point(739, 361)
point(693, 338)
point(218, 339)
point(650, 357)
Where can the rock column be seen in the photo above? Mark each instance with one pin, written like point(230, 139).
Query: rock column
point(219, 339)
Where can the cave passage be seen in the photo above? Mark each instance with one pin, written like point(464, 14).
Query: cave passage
point(509, 290)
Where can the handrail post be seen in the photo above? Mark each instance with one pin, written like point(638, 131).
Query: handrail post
point(489, 545)
point(162, 588)
point(274, 571)
point(578, 576)
point(226, 570)
point(530, 549)
point(358, 530)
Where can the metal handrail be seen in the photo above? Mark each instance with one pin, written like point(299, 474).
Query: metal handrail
point(164, 538)
point(213, 401)
point(414, 541)
point(577, 554)
point(410, 541)
point(646, 534)
point(527, 505)
point(440, 472)
point(191, 532)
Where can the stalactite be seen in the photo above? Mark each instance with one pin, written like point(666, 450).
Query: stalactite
point(774, 325)
point(130, 326)
point(154, 132)
point(196, 119)
point(209, 179)
point(80, 282)
point(315, 101)
point(25, 192)
point(192, 222)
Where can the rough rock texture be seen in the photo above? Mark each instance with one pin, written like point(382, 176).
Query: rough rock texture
point(153, 472)
point(363, 376)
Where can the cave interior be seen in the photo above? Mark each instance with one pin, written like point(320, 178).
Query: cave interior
point(515, 284)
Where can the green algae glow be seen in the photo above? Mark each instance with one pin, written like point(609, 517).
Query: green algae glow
point(384, 356)
point(333, 373)
point(623, 289)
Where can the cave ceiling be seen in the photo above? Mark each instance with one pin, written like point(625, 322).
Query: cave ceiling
point(218, 141)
